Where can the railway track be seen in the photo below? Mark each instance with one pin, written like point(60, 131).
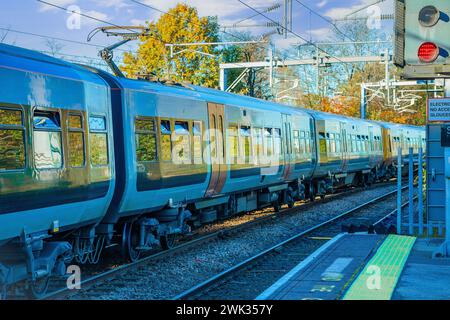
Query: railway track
point(91, 281)
point(244, 281)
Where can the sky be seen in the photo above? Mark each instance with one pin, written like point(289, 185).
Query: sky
point(32, 16)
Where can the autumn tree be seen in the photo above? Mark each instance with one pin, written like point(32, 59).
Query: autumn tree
point(180, 24)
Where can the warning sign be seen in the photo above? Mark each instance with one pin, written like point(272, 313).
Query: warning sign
point(438, 110)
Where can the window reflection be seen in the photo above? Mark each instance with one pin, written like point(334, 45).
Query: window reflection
point(12, 147)
point(12, 150)
point(47, 150)
point(47, 140)
point(99, 149)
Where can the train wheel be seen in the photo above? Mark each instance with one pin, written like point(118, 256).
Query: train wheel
point(130, 242)
point(168, 241)
point(276, 206)
point(37, 289)
point(312, 193)
point(290, 198)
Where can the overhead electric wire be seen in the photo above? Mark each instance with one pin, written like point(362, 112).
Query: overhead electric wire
point(56, 38)
point(85, 15)
point(291, 31)
point(325, 19)
point(176, 16)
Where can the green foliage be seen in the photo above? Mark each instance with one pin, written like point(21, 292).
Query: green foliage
point(180, 25)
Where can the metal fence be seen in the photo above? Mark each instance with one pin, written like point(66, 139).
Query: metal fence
point(417, 221)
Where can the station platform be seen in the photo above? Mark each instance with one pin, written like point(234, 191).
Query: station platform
point(367, 267)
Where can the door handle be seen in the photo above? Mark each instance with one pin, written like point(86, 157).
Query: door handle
point(433, 174)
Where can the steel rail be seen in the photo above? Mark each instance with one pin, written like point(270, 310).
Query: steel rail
point(217, 278)
point(110, 274)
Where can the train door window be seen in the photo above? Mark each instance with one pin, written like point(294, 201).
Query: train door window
point(355, 144)
point(277, 141)
point(268, 142)
point(332, 143)
point(197, 141)
point(181, 147)
point(12, 137)
point(146, 149)
point(234, 145)
point(297, 144)
point(166, 140)
point(76, 141)
point(338, 142)
point(349, 143)
point(47, 143)
point(98, 141)
point(259, 145)
point(322, 142)
point(245, 136)
point(308, 143)
point(302, 144)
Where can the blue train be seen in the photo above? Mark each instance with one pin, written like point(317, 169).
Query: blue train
point(90, 160)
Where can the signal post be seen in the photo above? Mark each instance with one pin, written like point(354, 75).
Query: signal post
point(422, 50)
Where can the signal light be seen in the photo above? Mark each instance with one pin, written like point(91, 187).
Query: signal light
point(428, 52)
point(429, 16)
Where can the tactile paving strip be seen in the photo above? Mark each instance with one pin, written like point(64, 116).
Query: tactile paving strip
point(378, 279)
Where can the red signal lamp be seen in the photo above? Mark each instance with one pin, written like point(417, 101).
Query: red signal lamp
point(428, 52)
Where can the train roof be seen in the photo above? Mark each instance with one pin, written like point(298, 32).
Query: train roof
point(13, 57)
point(29, 60)
point(206, 94)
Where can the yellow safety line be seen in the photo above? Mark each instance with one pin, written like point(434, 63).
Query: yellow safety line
point(380, 276)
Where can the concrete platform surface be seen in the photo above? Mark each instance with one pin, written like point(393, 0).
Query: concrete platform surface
point(327, 273)
point(424, 277)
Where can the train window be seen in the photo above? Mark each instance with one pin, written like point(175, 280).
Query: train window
point(268, 141)
point(165, 127)
point(181, 149)
point(98, 141)
point(297, 143)
point(10, 117)
point(76, 141)
point(12, 146)
point(181, 127)
point(258, 141)
point(166, 140)
point(277, 141)
point(302, 144)
point(97, 123)
point(146, 149)
point(321, 135)
point(197, 128)
point(234, 146)
point(47, 143)
point(245, 134)
point(197, 141)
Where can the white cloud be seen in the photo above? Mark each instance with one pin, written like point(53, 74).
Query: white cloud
point(138, 22)
point(62, 3)
point(321, 34)
point(117, 4)
point(223, 9)
point(322, 3)
point(88, 22)
point(341, 12)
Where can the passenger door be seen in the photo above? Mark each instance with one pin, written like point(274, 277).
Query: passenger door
point(217, 148)
point(344, 148)
point(287, 141)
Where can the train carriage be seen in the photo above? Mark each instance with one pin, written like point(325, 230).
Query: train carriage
point(349, 152)
point(186, 154)
point(56, 172)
